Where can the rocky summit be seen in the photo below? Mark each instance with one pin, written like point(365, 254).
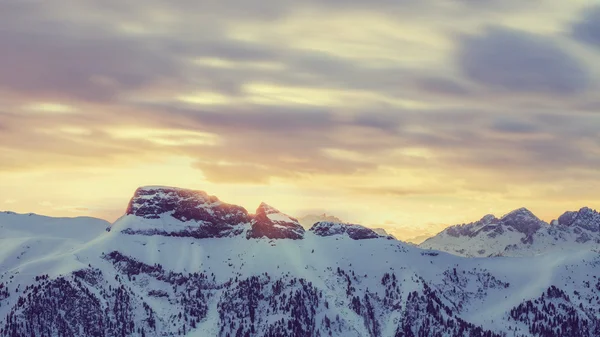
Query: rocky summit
point(270, 223)
point(355, 232)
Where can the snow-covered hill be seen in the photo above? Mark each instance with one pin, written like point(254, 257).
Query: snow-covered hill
point(519, 233)
point(184, 263)
point(28, 237)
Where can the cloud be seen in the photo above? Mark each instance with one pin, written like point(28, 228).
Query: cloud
point(511, 125)
point(587, 29)
point(274, 120)
point(443, 86)
point(271, 93)
point(516, 62)
point(96, 68)
point(382, 121)
point(401, 192)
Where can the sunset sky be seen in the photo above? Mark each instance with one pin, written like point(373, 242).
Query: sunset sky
point(404, 114)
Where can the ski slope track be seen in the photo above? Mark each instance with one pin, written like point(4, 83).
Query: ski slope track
point(184, 263)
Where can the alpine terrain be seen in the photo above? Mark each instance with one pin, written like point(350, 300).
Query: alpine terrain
point(520, 233)
point(184, 263)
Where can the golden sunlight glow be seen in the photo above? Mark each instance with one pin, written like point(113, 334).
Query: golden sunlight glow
point(273, 94)
point(204, 98)
point(344, 154)
point(213, 62)
point(49, 107)
point(66, 130)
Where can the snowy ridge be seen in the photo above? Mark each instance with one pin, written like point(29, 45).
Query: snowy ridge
point(355, 232)
point(29, 237)
point(125, 283)
point(519, 233)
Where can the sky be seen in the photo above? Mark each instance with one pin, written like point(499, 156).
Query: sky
point(409, 115)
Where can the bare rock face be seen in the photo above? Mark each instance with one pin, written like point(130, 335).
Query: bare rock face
point(488, 224)
point(585, 218)
point(523, 221)
point(355, 232)
point(520, 220)
point(270, 223)
point(190, 214)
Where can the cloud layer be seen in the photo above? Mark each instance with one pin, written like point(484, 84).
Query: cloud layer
point(380, 108)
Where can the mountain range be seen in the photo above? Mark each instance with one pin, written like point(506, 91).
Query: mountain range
point(184, 263)
point(519, 233)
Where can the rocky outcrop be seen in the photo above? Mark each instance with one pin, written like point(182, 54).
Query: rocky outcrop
point(585, 218)
point(270, 223)
point(187, 213)
point(355, 232)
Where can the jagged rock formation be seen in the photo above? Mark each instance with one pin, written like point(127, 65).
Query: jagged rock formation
point(585, 218)
point(198, 215)
point(355, 232)
point(518, 233)
point(270, 223)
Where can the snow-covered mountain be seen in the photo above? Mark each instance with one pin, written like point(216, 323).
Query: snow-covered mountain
point(28, 237)
point(184, 263)
point(519, 233)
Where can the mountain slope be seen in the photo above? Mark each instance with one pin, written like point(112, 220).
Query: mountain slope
point(335, 280)
point(29, 237)
point(519, 233)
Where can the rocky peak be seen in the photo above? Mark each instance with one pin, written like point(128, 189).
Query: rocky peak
point(355, 232)
point(488, 223)
point(267, 209)
point(585, 218)
point(523, 220)
point(153, 201)
point(199, 214)
point(271, 223)
point(488, 219)
point(383, 232)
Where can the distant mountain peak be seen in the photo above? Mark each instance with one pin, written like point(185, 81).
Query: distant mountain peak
point(523, 220)
point(355, 232)
point(489, 218)
point(267, 209)
point(271, 223)
point(518, 233)
point(519, 212)
point(586, 218)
